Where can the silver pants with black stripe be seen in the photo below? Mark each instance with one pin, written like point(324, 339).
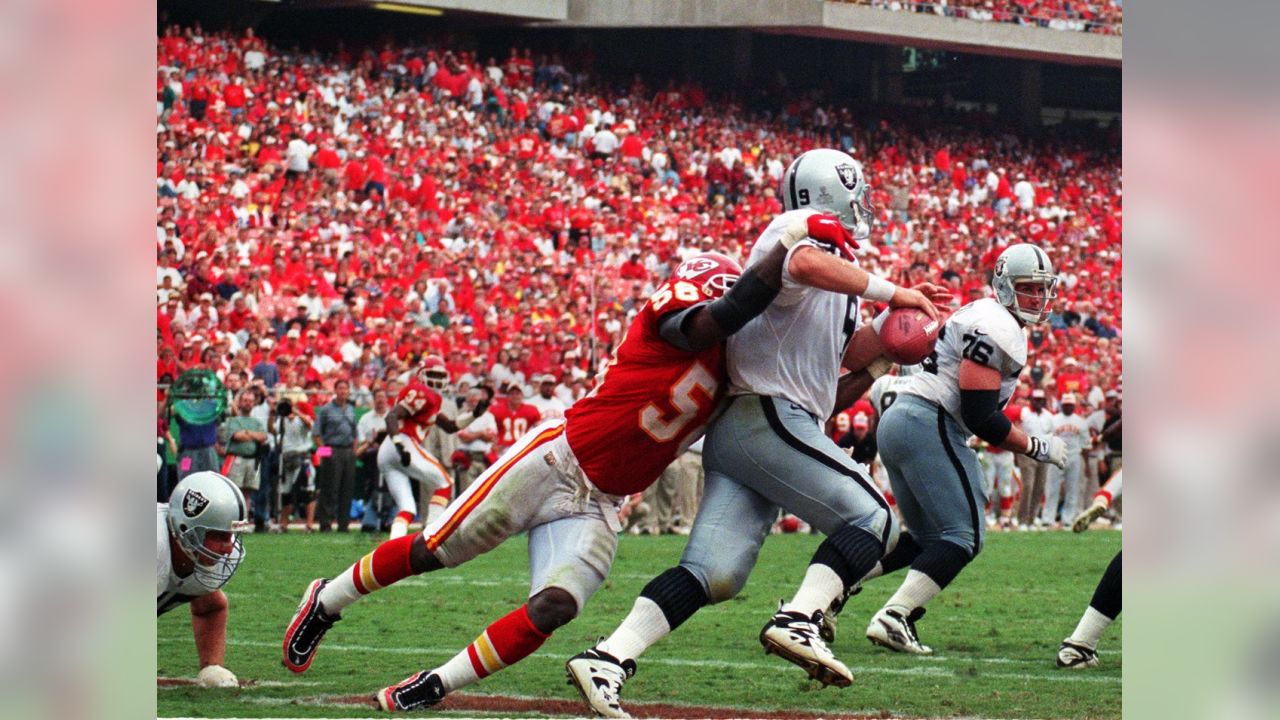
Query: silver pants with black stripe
point(935, 475)
point(761, 454)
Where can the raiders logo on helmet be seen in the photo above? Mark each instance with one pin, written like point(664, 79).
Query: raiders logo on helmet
point(193, 503)
point(1000, 263)
point(848, 176)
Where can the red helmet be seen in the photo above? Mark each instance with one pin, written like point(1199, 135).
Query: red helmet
point(711, 271)
point(433, 373)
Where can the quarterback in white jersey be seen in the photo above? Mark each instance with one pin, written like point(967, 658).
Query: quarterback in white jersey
point(197, 552)
point(923, 438)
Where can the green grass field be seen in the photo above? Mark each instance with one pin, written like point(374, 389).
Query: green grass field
point(994, 632)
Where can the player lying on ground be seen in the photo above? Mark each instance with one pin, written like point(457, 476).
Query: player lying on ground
point(1081, 649)
point(197, 552)
point(768, 449)
point(563, 481)
point(403, 456)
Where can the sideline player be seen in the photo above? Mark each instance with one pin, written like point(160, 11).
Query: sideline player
point(563, 481)
point(197, 552)
point(1080, 650)
point(403, 455)
point(923, 436)
point(768, 449)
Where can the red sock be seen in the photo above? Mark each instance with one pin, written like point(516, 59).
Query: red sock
point(404, 516)
point(1005, 504)
point(387, 564)
point(442, 496)
point(507, 641)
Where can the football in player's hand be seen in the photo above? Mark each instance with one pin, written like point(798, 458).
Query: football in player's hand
point(908, 335)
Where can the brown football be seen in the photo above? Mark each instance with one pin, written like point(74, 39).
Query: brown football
point(908, 335)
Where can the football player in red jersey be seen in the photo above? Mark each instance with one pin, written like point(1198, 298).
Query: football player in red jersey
point(403, 456)
point(564, 480)
point(513, 418)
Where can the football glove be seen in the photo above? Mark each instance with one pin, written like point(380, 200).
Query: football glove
point(216, 676)
point(826, 229)
point(1048, 448)
point(405, 460)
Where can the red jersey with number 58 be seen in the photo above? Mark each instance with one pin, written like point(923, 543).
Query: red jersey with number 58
point(654, 401)
point(423, 404)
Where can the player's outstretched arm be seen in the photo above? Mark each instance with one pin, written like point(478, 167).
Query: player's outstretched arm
point(465, 418)
point(704, 326)
point(815, 268)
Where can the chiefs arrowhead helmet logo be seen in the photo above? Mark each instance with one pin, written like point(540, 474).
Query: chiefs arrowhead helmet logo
point(848, 175)
point(193, 503)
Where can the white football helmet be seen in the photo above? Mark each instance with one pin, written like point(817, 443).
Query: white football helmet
point(1020, 264)
point(204, 502)
point(830, 181)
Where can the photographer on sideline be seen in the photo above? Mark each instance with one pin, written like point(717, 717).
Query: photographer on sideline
point(297, 481)
point(241, 438)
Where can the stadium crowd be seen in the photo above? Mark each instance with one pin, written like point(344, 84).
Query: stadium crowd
point(326, 217)
point(1095, 16)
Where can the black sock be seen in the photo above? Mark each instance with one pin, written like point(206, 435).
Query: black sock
point(941, 561)
point(850, 552)
point(677, 593)
point(1106, 599)
point(901, 556)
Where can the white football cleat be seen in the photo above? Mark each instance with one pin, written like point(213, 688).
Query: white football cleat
point(1091, 513)
point(896, 630)
point(1076, 656)
point(599, 678)
point(796, 638)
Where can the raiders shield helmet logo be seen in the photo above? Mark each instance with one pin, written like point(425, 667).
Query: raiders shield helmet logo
point(848, 176)
point(193, 503)
point(1000, 263)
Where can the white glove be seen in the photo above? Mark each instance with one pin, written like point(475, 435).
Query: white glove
point(216, 676)
point(1048, 448)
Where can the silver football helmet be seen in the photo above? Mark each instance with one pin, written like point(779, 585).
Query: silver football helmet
point(204, 502)
point(830, 181)
point(1021, 264)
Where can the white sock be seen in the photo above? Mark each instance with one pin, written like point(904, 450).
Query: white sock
point(644, 626)
point(917, 590)
point(458, 672)
point(876, 571)
point(399, 528)
point(1091, 627)
point(339, 593)
point(820, 586)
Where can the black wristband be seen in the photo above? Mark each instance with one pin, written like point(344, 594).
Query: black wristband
point(980, 410)
point(748, 297)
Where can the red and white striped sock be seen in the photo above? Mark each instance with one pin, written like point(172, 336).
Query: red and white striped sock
point(400, 524)
point(507, 641)
point(387, 564)
point(439, 501)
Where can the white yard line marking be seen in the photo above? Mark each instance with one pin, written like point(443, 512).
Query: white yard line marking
point(191, 682)
point(1050, 674)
